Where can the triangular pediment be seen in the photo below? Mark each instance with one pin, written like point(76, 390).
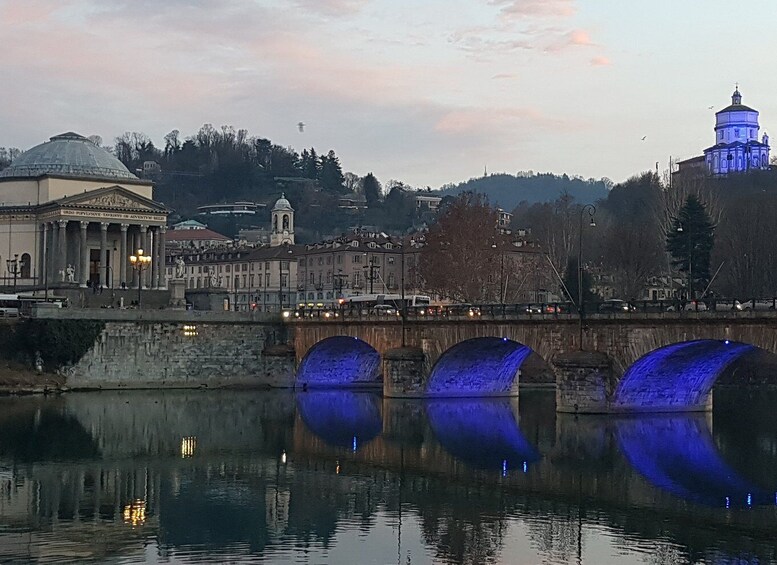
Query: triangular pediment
point(112, 198)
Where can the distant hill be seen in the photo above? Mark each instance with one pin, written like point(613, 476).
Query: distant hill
point(507, 191)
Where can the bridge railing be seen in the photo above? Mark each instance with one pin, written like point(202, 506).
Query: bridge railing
point(538, 310)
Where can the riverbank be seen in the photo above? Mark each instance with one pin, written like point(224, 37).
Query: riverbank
point(15, 378)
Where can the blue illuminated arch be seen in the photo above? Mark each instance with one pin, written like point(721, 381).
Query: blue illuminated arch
point(341, 418)
point(677, 454)
point(484, 366)
point(483, 433)
point(338, 362)
point(676, 377)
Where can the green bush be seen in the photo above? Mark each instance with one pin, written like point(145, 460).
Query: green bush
point(60, 342)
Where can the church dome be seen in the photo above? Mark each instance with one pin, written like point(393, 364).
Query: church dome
point(282, 204)
point(67, 154)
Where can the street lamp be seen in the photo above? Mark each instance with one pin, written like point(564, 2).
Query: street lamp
point(14, 267)
point(591, 209)
point(690, 259)
point(501, 273)
point(140, 263)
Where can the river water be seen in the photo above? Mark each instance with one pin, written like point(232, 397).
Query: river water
point(342, 477)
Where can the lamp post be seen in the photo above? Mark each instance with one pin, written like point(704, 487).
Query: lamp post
point(140, 263)
point(591, 210)
point(369, 272)
point(680, 229)
point(14, 267)
point(501, 273)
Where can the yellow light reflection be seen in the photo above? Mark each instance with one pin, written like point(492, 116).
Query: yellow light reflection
point(189, 330)
point(188, 446)
point(135, 513)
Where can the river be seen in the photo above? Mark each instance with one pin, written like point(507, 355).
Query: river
point(344, 477)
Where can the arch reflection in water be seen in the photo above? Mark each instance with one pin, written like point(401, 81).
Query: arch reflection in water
point(484, 366)
point(678, 454)
point(341, 418)
point(678, 375)
point(483, 433)
point(339, 362)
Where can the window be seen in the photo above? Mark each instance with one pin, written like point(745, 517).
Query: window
point(312, 278)
point(311, 296)
point(25, 265)
point(251, 280)
point(391, 260)
point(245, 267)
point(339, 259)
point(302, 262)
point(329, 277)
point(244, 281)
point(391, 280)
point(357, 279)
point(229, 268)
point(284, 265)
point(357, 259)
point(284, 280)
point(237, 281)
point(320, 296)
point(267, 280)
point(328, 259)
point(267, 265)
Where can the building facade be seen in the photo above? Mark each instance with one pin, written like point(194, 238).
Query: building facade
point(737, 147)
point(71, 214)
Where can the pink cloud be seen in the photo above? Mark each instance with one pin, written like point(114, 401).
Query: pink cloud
point(515, 9)
point(332, 7)
point(504, 76)
point(600, 61)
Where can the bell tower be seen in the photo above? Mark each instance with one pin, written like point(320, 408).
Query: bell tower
point(282, 232)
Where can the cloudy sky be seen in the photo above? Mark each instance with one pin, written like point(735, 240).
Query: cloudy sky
point(426, 91)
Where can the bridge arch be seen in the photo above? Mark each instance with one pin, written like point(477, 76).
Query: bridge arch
point(679, 376)
point(481, 366)
point(340, 362)
point(483, 433)
point(678, 454)
point(341, 418)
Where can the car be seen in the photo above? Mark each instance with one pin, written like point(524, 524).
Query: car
point(384, 310)
point(615, 306)
point(533, 309)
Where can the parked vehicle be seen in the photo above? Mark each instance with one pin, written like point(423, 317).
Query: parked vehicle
point(616, 306)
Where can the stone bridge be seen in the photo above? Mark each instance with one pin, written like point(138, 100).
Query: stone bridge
point(625, 363)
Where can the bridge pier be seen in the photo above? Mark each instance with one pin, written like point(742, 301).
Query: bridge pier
point(585, 382)
point(404, 372)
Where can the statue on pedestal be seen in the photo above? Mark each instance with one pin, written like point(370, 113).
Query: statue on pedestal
point(180, 267)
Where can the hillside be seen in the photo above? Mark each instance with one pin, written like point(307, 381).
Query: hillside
point(507, 191)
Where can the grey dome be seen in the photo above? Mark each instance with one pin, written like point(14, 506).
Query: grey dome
point(67, 154)
point(282, 204)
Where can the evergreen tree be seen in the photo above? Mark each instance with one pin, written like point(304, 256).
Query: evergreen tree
point(372, 190)
point(690, 241)
point(309, 164)
point(331, 174)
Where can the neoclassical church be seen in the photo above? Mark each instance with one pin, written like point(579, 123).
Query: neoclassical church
point(71, 214)
point(737, 148)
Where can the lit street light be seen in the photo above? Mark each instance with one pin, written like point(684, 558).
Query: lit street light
point(140, 263)
point(591, 209)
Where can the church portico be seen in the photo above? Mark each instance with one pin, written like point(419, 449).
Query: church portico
point(86, 214)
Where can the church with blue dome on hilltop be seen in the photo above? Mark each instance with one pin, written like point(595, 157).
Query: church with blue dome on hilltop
point(737, 147)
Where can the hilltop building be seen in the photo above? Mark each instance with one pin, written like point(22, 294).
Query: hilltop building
point(737, 148)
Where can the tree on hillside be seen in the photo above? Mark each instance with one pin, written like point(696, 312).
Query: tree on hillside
point(458, 257)
point(372, 190)
point(331, 175)
point(309, 164)
point(689, 241)
point(632, 252)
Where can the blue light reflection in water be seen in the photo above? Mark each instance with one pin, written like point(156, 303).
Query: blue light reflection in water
point(483, 433)
point(677, 454)
point(341, 418)
point(485, 366)
point(681, 374)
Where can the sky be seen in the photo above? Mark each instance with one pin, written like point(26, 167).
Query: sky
point(424, 91)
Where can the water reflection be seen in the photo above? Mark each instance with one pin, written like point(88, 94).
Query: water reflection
point(341, 418)
point(678, 454)
point(193, 476)
point(483, 433)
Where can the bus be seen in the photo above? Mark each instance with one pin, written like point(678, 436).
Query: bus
point(15, 305)
point(9, 305)
point(385, 301)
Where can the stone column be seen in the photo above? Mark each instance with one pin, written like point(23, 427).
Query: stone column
point(103, 253)
point(154, 267)
point(145, 238)
point(62, 250)
point(41, 262)
point(83, 268)
point(123, 255)
point(162, 262)
point(49, 252)
point(403, 372)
